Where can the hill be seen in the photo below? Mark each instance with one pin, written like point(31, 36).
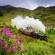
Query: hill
point(46, 14)
point(22, 44)
point(10, 9)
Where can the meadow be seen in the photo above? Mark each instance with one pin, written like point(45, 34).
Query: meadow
point(28, 45)
point(22, 44)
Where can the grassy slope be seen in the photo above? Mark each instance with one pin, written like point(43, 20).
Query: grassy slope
point(34, 46)
point(47, 15)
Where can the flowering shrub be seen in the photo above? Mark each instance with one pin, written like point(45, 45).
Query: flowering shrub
point(3, 45)
point(7, 31)
point(14, 45)
point(18, 42)
point(12, 49)
point(6, 43)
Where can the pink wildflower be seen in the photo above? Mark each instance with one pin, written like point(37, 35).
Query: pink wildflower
point(12, 49)
point(18, 42)
point(1, 39)
point(7, 32)
point(4, 44)
point(4, 49)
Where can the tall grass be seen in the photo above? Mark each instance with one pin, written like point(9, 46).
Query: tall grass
point(31, 46)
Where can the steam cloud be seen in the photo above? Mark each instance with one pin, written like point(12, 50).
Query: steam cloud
point(23, 22)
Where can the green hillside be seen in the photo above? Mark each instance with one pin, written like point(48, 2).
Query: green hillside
point(29, 45)
point(47, 15)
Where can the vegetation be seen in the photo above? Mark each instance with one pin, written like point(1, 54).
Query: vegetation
point(28, 45)
point(47, 15)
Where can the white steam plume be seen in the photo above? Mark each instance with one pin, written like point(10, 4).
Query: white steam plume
point(23, 22)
